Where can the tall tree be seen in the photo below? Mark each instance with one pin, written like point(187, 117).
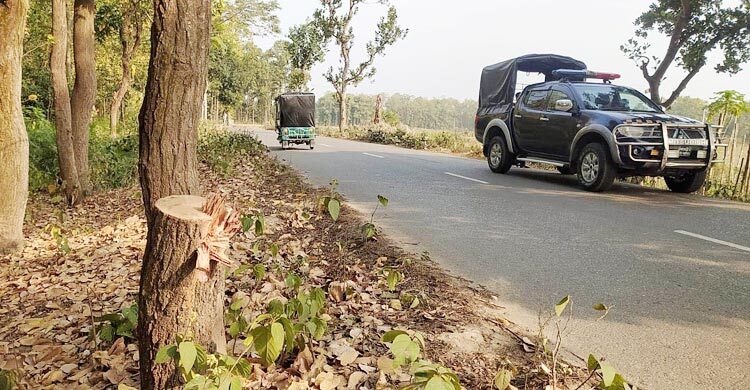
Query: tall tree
point(694, 27)
point(335, 18)
point(63, 122)
point(132, 16)
point(14, 143)
point(84, 88)
point(307, 47)
point(171, 300)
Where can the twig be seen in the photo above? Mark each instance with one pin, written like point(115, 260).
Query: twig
point(91, 313)
point(588, 378)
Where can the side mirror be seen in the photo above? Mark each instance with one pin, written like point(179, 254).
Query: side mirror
point(563, 105)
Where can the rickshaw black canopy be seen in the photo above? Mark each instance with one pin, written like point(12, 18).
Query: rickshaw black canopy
point(296, 109)
point(498, 84)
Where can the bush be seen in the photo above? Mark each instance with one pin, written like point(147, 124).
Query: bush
point(221, 149)
point(113, 161)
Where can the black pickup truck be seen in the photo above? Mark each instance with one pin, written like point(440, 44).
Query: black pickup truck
point(598, 131)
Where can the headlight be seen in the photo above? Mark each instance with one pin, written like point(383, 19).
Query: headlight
point(285, 131)
point(638, 132)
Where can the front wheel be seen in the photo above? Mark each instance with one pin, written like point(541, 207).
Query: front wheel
point(498, 156)
point(311, 144)
point(686, 182)
point(596, 171)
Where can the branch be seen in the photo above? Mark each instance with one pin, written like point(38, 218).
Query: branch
point(681, 87)
point(676, 41)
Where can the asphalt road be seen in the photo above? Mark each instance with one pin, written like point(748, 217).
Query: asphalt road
point(680, 302)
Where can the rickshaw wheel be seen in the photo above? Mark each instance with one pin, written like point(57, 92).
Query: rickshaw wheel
point(311, 144)
point(284, 145)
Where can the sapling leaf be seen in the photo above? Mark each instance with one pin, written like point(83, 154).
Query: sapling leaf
point(592, 363)
point(389, 336)
point(560, 307)
point(188, 353)
point(165, 354)
point(608, 373)
point(274, 249)
point(600, 307)
point(334, 209)
point(383, 200)
point(502, 379)
point(247, 222)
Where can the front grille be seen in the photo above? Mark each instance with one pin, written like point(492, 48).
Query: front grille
point(686, 133)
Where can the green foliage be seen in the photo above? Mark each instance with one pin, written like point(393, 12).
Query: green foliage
point(727, 105)
point(255, 221)
point(369, 230)
point(63, 246)
point(392, 278)
point(332, 202)
point(306, 48)
point(221, 150)
point(406, 349)
point(502, 379)
point(112, 160)
point(201, 370)
point(120, 324)
point(8, 380)
point(695, 28)
point(560, 307)
point(611, 379)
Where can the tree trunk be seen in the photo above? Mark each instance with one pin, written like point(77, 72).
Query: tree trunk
point(14, 145)
point(130, 40)
point(343, 110)
point(172, 300)
point(65, 147)
point(378, 109)
point(84, 89)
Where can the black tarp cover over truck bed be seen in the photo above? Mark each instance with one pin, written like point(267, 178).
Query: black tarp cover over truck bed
point(296, 109)
point(498, 83)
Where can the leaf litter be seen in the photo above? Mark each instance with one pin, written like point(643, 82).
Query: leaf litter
point(51, 296)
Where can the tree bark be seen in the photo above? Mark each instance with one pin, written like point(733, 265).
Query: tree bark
point(65, 146)
point(14, 143)
point(84, 89)
point(173, 301)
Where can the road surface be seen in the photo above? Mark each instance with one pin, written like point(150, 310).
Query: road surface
point(675, 269)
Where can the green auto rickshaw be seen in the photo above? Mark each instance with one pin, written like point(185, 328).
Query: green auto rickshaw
point(295, 119)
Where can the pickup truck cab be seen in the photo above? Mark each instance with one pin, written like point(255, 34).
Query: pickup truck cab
point(597, 130)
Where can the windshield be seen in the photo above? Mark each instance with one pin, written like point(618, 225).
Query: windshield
point(607, 97)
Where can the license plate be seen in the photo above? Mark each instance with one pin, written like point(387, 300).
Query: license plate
point(686, 152)
point(688, 142)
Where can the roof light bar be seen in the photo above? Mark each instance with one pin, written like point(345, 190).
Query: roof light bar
point(580, 75)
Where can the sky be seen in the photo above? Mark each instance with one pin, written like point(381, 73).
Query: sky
point(449, 42)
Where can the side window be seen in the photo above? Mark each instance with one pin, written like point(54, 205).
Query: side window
point(536, 100)
point(555, 96)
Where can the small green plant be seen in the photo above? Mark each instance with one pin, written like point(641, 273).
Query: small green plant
point(201, 370)
point(120, 324)
point(7, 380)
point(406, 349)
point(332, 202)
point(254, 221)
point(611, 379)
point(392, 278)
point(368, 229)
point(63, 246)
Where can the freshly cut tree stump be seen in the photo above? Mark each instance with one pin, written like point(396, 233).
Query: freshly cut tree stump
point(173, 300)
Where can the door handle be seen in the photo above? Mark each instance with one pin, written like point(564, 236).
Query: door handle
point(543, 118)
point(517, 116)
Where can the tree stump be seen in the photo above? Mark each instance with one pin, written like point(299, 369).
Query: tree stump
point(173, 300)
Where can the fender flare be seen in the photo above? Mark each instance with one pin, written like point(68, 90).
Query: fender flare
point(504, 128)
point(604, 133)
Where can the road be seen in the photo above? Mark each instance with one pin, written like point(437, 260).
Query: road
point(675, 269)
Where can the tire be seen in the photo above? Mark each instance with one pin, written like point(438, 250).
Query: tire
point(687, 182)
point(498, 156)
point(595, 169)
point(311, 144)
point(565, 170)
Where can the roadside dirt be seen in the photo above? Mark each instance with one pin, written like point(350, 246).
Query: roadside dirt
point(52, 294)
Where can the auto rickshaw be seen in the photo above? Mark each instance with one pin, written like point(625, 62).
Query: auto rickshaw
point(295, 119)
